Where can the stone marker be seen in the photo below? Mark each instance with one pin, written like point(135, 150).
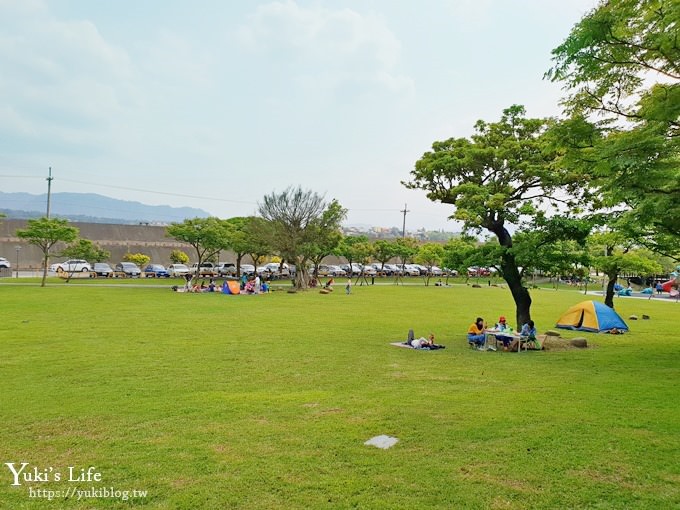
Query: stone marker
point(633, 317)
point(384, 442)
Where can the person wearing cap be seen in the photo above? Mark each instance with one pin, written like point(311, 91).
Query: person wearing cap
point(502, 325)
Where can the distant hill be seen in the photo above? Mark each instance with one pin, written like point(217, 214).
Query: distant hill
point(94, 208)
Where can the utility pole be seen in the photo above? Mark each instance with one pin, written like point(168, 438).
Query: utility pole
point(49, 189)
point(403, 227)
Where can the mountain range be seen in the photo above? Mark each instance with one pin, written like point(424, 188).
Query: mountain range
point(93, 208)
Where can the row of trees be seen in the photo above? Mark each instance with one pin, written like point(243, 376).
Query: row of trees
point(611, 165)
point(560, 246)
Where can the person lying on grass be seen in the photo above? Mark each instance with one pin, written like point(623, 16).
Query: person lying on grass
point(425, 343)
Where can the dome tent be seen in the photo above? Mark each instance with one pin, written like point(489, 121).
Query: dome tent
point(591, 316)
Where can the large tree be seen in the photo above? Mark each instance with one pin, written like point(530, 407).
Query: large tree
point(239, 238)
point(207, 236)
point(45, 233)
point(496, 179)
point(297, 219)
point(622, 62)
point(327, 236)
point(458, 253)
point(613, 254)
point(429, 255)
point(384, 250)
point(405, 248)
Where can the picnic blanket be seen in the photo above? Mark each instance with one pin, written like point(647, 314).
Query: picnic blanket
point(409, 346)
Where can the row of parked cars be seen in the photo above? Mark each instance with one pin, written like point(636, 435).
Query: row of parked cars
point(271, 270)
point(376, 268)
point(122, 269)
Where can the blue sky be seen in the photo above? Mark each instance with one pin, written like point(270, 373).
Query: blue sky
point(214, 104)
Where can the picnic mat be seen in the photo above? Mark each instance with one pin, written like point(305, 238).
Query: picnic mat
point(401, 344)
point(407, 346)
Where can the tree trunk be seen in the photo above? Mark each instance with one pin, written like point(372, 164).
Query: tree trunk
point(301, 274)
point(609, 294)
point(46, 260)
point(513, 278)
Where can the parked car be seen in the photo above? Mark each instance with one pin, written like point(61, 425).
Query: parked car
point(225, 269)
point(354, 270)
point(391, 269)
point(128, 269)
point(478, 271)
point(334, 270)
point(274, 268)
point(368, 270)
point(102, 269)
point(156, 271)
point(436, 271)
point(178, 269)
point(207, 269)
point(331, 270)
point(71, 266)
point(4, 262)
point(411, 270)
point(422, 269)
point(247, 269)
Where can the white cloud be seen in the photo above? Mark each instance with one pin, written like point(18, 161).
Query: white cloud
point(59, 77)
point(341, 45)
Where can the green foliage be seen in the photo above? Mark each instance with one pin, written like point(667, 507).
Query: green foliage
point(325, 235)
point(301, 223)
point(179, 257)
point(45, 233)
point(500, 176)
point(384, 250)
point(429, 255)
point(355, 249)
point(405, 248)
point(622, 61)
point(87, 250)
point(207, 236)
point(613, 254)
point(458, 253)
point(137, 258)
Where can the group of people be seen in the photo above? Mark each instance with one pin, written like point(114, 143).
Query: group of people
point(253, 284)
point(476, 334)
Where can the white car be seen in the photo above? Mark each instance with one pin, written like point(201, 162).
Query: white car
point(4, 263)
point(369, 270)
point(247, 269)
point(71, 266)
point(411, 270)
point(178, 269)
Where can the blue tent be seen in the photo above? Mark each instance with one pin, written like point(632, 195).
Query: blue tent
point(591, 316)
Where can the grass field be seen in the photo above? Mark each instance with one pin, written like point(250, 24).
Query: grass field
point(264, 402)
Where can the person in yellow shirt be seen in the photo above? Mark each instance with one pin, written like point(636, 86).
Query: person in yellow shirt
point(476, 333)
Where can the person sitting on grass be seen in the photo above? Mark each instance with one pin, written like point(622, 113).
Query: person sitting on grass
point(475, 334)
point(329, 284)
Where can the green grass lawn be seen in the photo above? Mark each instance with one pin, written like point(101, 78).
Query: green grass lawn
point(264, 402)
